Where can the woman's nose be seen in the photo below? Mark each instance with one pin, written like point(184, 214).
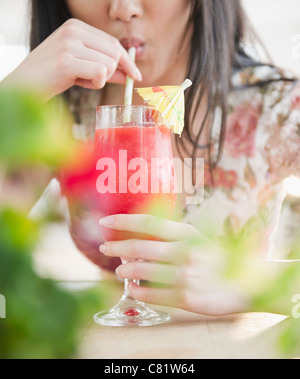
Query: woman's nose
point(125, 10)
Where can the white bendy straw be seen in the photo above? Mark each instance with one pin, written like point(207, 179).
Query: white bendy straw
point(186, 84)
point(129, 80)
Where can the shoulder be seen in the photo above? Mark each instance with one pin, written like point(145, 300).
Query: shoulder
point(261, 75)
point(274, 92)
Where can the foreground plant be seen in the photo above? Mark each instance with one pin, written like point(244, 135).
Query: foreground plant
point(42, 319)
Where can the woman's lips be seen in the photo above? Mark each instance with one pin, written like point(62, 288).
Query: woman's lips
point(127, 43)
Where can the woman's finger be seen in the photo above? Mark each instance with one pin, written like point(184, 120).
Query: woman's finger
point(119, 77)
point(156, 273)
point(82, 69)
point(86, 54)
point(158, 296)
point(168, 252)
point(157, 227)
point(210, 303)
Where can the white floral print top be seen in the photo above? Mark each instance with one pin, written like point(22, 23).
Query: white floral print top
point(261, 150)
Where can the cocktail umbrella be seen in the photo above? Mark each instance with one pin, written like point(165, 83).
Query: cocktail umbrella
point(169, 102)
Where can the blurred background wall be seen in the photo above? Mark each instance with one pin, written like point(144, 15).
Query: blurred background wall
point(14, 30)
point(276, 21)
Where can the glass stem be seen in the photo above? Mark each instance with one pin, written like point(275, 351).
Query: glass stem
point(126, 295)
point(126, 284)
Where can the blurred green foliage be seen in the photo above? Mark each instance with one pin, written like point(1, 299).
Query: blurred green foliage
point(33, 133)
point(270, 285)
point(42, 319)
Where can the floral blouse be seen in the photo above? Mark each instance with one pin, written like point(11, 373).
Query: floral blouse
point(261, 149)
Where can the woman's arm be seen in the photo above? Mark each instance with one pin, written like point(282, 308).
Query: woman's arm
point(75, 54)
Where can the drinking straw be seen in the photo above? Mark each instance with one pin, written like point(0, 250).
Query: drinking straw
point(129, 80)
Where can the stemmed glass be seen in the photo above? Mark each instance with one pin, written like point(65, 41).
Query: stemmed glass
point(135, 175)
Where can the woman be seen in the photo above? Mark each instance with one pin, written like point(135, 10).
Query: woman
point(242, 116)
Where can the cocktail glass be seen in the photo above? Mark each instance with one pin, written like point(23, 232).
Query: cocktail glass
point(135, 175)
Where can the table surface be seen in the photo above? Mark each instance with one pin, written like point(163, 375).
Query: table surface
point(186, 336)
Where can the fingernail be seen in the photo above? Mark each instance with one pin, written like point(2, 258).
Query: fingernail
point(106, 221)
point(102, 248)
point(138, 74)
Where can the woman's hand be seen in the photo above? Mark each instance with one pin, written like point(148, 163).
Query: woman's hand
point(186, 265)
point(75, 54)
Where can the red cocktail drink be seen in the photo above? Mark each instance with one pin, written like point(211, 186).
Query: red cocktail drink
point(135, 175)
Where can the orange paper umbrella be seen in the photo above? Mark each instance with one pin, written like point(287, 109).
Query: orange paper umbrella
point(169, 101)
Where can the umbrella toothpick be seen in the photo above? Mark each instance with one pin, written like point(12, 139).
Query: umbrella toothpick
point(169, 101)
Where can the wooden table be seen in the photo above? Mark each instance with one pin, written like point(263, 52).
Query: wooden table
point(187, 336)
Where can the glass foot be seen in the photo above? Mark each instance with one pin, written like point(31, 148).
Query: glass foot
point(131, 313)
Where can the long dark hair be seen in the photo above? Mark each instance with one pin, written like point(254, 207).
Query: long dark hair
point(46, 17)
point(216, 52)
point(219, 30)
